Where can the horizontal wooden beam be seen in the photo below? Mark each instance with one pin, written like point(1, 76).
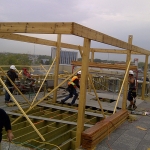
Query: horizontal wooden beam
point(116, 51)
point(67, 28)
point(47, 119)
point(36, 27)
point(85, 32)
point(29, 39)
point(107, 66)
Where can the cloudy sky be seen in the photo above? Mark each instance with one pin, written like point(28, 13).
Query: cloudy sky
point(117, 18)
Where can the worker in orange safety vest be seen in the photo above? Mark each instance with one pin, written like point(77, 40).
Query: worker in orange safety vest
point(72, 85)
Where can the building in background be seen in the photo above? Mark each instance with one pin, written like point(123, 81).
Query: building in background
point(66, 57)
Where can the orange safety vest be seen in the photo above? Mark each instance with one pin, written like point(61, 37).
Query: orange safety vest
point(71, 82)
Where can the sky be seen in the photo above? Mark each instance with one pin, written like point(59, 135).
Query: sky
point(117, 18)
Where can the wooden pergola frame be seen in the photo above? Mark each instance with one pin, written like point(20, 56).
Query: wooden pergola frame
point(11, 30)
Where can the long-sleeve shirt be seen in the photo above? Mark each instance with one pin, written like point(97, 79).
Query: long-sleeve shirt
point(4, 122)
point(12, 75)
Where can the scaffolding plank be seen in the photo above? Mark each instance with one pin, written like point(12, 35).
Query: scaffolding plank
point(69, 109)
point(48, 119)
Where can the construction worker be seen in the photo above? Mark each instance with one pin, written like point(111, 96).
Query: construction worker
point(5, 122)
point(132, 91)
point(28, 76)
point(72, 85)
point(12, 75)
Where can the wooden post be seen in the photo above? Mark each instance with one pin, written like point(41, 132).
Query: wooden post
point(145, 74)
point(57, 66)
point(92, 56)
point(83, 86)
point(24, 114)
point(128, 58)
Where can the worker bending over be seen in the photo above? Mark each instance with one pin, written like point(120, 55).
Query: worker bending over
point(72, 85)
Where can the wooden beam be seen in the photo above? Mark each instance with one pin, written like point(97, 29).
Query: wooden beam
point(48, 119)
point(66, 28)
point(116, 51)
point(39, 101)
point(83, 87)
point(91, 34)
point(29, 39)
point(128, 59)
point(36, 27)
point(20, 108)
point(145, 74)
point(57, 66)
point(102, 65)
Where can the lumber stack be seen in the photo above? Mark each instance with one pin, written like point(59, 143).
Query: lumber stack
point(92, 136)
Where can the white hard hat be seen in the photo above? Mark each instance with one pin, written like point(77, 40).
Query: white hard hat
point(131, 72)
point(13, 67)
point(79, 72)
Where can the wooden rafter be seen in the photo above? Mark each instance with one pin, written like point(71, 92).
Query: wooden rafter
point(29, 39)
point(91, 34)
point(107, 66)
point(67, 28)
point(36, 27)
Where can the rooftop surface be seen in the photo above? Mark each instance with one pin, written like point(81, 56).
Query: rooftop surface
point(131, 135)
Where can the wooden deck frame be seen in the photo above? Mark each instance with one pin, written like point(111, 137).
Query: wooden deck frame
point(8, 28)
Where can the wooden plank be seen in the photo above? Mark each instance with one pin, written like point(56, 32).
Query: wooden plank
point(47, 119)
point(102, 65)
point(56, 70)
point(85, 32)
point(145, 74)
point(102, 126)
point(36, 27)
point(70, 110)
point(29, 39)
point(87, 144)
point(116, 51)
point(83, 86)
point(95, 134)
point(128, 59)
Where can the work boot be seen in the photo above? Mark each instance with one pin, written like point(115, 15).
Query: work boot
point(129, 107)
point(62, 102)
point(134, 106)
point(9, 101)
point(69, 104)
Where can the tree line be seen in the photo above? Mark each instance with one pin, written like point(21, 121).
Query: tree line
point(22, 59)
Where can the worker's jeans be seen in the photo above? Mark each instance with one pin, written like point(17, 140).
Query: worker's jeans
point(72, 92)
point(7, 96)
